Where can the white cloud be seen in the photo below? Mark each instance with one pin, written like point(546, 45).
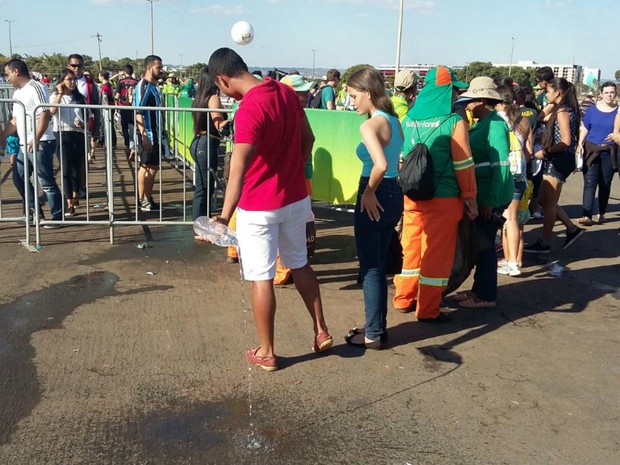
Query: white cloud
point(220, 10)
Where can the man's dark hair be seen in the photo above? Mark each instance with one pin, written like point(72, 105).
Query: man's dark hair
point(332, 75)
point(19, 65)
point(150, 59)
point(76, 56)
point(128, 69)
point(608, 84)
point(500, 80)
point(226, 62)
point(105, 74)
point(544, 73)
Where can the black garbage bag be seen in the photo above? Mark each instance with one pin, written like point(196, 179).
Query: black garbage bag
point(469, 243)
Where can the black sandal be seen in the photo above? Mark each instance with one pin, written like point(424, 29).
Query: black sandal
point(374, 345)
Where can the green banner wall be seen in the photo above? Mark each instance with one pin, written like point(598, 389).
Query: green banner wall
point(336, 167)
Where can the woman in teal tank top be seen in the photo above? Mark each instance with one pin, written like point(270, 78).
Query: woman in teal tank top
point(379, 199)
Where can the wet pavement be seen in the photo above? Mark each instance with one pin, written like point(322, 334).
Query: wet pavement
point(103, 363)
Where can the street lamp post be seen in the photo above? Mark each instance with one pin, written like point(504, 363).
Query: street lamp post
point(152, 30)
point(313, 62)
point(10, 37)
point(511, 54)
point(399, 37)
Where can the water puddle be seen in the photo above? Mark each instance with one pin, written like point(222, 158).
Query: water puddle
point(210, 432)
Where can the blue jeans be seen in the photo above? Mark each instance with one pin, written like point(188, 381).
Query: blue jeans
point(600, 175)
point(485, 277)
point(45, 172)
point(373, 239)
point(204, 153)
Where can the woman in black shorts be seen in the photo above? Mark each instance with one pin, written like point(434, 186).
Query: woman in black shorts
point(561, 118)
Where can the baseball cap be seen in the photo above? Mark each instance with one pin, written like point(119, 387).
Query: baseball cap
point(441, 76)
point(404, 80)
point(297, 83)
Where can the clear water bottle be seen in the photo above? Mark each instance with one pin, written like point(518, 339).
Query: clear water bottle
point(214, 232)
point(556, 270)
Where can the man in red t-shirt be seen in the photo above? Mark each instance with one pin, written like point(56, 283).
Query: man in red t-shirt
point(273, 140)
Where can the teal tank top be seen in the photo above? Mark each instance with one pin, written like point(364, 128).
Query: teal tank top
point(392, 150)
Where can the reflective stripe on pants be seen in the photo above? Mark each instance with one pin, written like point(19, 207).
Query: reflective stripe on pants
point(429, 241)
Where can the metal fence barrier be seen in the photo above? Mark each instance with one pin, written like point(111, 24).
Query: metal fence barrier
point(174, 122)
point(6, 170)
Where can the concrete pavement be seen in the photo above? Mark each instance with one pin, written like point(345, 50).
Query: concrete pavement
point(102, 363)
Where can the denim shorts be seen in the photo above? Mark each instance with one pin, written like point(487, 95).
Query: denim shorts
point(150, 158)
point(520, 187)
point(561, 165)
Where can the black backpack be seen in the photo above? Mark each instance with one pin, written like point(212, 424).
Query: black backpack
point(416, 176)
point(317, 99)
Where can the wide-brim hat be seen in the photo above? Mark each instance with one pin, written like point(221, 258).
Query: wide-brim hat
point(480, 87)
point(297, 83)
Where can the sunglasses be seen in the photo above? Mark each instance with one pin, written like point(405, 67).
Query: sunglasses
point(75, 65)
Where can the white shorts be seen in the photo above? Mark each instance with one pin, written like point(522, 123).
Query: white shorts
point(264, 234)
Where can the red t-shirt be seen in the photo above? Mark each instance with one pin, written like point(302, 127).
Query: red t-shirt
point(269, 117)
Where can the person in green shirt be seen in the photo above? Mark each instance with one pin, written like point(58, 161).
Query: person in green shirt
point(488, 138)
point(405, 90)
point(430, 226)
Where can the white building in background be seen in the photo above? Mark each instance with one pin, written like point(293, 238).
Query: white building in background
point(572, 73)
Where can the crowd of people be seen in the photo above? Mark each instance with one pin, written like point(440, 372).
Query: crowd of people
point(74, 133)
point(493, 153)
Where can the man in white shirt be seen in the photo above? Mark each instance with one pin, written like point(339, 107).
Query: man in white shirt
point(31, 94)
point(88, 88)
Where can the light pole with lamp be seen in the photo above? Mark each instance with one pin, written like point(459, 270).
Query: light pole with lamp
point(10, 37)
point(512, 50)
point(313, 62)
point(152, 31)
point(399, 37)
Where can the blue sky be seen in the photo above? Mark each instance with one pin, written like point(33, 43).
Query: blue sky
point(344, 32)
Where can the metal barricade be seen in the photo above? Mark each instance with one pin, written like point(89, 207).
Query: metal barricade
point(6, 171)
point(132, 214)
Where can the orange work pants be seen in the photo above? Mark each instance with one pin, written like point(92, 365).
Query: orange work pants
point(429, 241)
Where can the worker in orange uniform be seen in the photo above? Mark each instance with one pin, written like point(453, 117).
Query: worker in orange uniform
point(430, 226)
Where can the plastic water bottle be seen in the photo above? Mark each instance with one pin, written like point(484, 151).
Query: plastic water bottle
point(214, 232)
point(556, 270)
